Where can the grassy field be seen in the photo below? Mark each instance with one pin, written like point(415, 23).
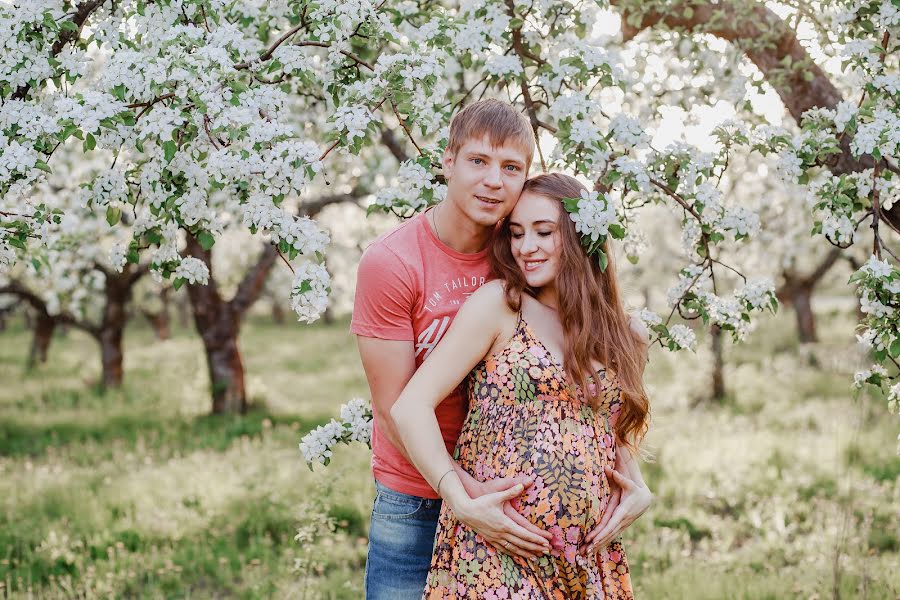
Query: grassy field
point(787, 489)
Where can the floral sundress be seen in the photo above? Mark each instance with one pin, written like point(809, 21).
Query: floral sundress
point(526, 419)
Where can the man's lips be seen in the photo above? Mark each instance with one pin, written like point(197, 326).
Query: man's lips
point(489, 200)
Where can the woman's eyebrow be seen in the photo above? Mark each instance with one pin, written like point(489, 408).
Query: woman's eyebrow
point(538, 222)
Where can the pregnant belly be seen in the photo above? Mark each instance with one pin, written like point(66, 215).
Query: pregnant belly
point(567, 497)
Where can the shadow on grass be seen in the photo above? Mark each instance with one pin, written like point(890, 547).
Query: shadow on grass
point(215, 432)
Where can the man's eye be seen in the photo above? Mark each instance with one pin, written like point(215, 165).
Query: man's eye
point(477, 161)
point(513, 167)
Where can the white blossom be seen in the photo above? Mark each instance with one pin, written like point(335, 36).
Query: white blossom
point(309, 295)
point(594, 216)
point(683, 336)
point(193, 270)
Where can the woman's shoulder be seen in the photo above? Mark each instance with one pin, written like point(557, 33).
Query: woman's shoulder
point(489, 300)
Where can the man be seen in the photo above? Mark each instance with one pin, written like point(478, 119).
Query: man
point(410, 285)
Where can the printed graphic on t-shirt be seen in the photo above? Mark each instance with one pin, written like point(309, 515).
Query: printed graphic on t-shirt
point(452, 293)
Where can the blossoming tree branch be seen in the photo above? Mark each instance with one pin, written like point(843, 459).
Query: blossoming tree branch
point(215, 113)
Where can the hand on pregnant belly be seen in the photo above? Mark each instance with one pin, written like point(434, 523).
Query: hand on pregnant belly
point(629, 502)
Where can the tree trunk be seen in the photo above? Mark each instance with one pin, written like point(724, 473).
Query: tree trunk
point(277, 311)
point(40, 340)
point(718, 374)
point(806, 320)
point(109, 334)
point(160, 321)
point(218, 327)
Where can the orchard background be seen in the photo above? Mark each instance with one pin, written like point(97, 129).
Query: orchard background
point(179, 176)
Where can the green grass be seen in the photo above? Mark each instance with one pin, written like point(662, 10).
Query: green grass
point(139, 492)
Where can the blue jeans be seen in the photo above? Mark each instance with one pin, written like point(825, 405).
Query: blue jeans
point(401, 540)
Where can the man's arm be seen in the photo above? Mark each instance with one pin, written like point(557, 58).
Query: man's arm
point(389, 365)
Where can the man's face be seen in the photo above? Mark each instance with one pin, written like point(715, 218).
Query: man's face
point(484, 182)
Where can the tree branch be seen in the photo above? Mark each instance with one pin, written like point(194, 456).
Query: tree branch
point(767, 41)
point(82, 12)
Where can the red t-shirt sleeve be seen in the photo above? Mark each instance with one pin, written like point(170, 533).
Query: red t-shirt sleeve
point(384, 299)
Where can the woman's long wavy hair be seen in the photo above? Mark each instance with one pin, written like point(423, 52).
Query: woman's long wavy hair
point(594, 321)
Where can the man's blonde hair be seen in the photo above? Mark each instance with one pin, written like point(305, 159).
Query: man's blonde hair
point(498, 120)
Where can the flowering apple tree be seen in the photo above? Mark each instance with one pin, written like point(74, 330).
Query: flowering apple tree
point(217, 112)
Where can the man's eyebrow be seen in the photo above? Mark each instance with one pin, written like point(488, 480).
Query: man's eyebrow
point(477, 154)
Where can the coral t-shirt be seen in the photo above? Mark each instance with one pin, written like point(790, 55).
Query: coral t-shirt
point(410, 286)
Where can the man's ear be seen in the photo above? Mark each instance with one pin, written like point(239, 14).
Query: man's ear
point(448, 162)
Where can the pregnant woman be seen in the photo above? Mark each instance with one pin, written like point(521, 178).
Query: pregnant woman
point(554, 366)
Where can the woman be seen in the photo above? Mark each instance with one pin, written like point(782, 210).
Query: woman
point(555, 394)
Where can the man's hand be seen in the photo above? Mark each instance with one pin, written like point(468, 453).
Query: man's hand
point(502, 484)
point(492, 516)
point(628, 502)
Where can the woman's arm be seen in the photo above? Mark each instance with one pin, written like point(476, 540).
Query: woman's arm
point(471, 336)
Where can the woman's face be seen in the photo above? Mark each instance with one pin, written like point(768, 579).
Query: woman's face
point(536, 238)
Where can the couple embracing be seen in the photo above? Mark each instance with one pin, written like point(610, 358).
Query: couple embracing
point(506, 385)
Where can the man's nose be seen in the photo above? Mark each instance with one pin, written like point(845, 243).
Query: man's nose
point(492, 177)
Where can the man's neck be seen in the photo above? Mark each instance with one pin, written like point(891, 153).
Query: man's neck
point(456, 230)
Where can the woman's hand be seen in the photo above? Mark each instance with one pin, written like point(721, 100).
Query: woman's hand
point(628, 502)
point(491, 516)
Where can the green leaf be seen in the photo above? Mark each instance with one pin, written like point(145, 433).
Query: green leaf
point(206, 240)
point(69, 26)
point(895, 348)
point(179, 281)
point(305, 286)
point(17, 243)
point(42, 166)
point(113, 214)
point(89, 142)
point(604, 260)
point(169, 148)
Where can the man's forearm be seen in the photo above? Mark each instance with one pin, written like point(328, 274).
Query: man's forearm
point(386, 427)
point(390, 432)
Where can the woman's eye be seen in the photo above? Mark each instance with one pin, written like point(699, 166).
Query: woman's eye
point(544, 233)
point(516, 236)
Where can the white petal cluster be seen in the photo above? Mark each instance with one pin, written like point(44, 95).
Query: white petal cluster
point(316, 445)
point(594, 216)
point(758, 293)
point(309, 291)
point(691, 277)
point(352, 120)
point(355, 425)
point(628, 132)
point(109, 187)
point(117, 256)
point(503, 65)
point(683, 336)
point(357, 418)
point(861, 378)
point(193, 270)
point(633, 172)
point(414, 188)
point(877, 268)
point(845, 111)
point(649, 318)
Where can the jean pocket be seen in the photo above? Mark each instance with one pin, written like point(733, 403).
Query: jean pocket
point(395, 506)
